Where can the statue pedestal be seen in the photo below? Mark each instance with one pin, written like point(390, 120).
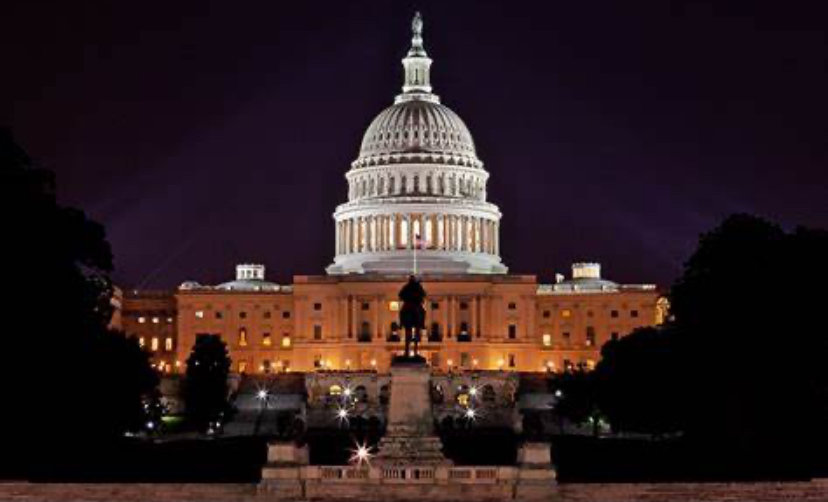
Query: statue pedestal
point(409, 437)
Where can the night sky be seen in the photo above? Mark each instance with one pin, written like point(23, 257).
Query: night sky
point(205, 133)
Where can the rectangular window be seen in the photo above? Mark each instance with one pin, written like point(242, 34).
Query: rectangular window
point(547, 314)
point(286, 314)
point(242, 367)
point(155, 320)
point(566, 313)
point(512, 306)
point(219, 314)
point(547, 340)
point(614, 336)
point(199, 314)
point(154, 345)
point(394, 306)
point(242, 315)
point(317, 331)
point(142, 320)
point(286, 341)
point(266, 314)
point(266, 341)
point(242, 337)
point(168, 344)
point(141, 342)
point(464, 359)
point(512, 361)
point(366, 306)
point(464, 306)
point(512, 331)
point(633, 313)
point(613, 313)
point(317, 306)
point(435, 306)
point(590, 336)
point(566, 337)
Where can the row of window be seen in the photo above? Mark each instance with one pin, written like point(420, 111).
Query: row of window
point(568, 313)
point(590, 340)
point(154, 320)
point(218, 314)
point(155, 343)
point(267, 340)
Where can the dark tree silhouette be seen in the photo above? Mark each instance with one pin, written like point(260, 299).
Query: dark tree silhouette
point(577, 401)
point(639, 382)
point(61, 355)
point(205, 386)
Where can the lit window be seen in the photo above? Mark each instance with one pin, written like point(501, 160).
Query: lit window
point(154, 345)
point(335, 390)
point(169, 320)
point(394, 306)
point(242, 367)
point(142, 320)
point(286, 341)
point(590, 364)
point(242, 337)
point(168, 344)
point(317, 331)
point(141, 342)
point(155, 320)
point(547, 340)
point(566, 313)
point(590, 336)
point(199, 314)
point(266, 341)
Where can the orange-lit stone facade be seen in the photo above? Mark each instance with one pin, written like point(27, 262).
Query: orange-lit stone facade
point(484, 322)
point(151, 317)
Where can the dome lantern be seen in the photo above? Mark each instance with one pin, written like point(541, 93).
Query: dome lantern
point(417, 66)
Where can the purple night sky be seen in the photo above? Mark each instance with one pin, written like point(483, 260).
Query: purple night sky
point(206, 133)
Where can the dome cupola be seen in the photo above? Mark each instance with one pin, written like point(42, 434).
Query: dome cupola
point(417, 191)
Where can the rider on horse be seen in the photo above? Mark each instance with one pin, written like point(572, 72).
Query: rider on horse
point(412, 313)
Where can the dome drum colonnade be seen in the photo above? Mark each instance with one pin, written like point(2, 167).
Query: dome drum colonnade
point(417, 187)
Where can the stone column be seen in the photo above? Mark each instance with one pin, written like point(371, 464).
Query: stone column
point(353, 321)
point(474, 332)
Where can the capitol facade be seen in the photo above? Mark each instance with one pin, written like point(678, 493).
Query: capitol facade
point(417, 203)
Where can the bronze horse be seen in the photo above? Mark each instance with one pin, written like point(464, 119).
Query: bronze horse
point(412, 314)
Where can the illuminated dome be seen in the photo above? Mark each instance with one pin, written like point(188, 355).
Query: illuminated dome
point(417, 191)
point(418, 129)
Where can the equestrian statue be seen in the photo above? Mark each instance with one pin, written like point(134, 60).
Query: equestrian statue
point(412, 316)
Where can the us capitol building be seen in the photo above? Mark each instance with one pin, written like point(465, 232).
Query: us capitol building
point(417, 202)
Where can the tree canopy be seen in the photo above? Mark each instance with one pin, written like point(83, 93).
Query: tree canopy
point(66, 375)
point(205, 386)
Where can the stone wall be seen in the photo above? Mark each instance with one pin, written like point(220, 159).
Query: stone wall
point(667, 492)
